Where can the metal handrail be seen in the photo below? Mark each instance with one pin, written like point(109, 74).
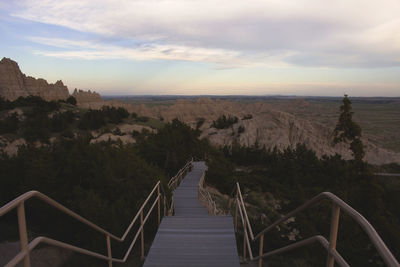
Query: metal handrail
point(178, 177)
point(26, 247)
point(206, 196)
point(333, 255)
point(317, 238)
point(175, 180)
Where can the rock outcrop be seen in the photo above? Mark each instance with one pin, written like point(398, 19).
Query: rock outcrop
point(86, 96)
point(13, 84)
point(268, 127)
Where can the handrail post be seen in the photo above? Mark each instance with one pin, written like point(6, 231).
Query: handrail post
point(171, 208)
point(23, 235)
point(109, 251)
point(142, 235)
point(244, 240)
point(165, 205)
point(333, 234)
point(260, 259)
point(236, 213)
point(159, 205)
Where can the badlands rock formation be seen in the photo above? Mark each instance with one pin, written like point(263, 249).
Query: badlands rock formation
point(86, 96)
point(267, 127)
point(13, 84)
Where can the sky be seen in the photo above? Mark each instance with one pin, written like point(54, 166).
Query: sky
point(208, 47)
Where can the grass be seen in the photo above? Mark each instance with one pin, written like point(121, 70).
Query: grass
point(148, 101)
point(152, 123)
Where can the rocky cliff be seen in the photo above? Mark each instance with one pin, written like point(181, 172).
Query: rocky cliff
point(86, 96)
point(13, 84)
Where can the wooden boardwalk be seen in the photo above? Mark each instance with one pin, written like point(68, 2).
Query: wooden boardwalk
point(191, 237)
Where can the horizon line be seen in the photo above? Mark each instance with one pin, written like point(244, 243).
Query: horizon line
point(239, 95)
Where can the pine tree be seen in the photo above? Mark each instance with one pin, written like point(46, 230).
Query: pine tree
point(348, 131)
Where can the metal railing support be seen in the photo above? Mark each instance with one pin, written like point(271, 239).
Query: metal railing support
point(205, 196)
point(244, 211)
point(244, 240)
point(109, 251)
point(23, 235)
point(159, 205)
point(260, 260)
point(142, 235)
point(333, 234)
point(165, 205)
point(171, 209)
point(236, 212)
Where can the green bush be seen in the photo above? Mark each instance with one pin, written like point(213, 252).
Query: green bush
point(67, 134)
point(224, 122)
point(117, 131)
point(39, 105)
point(62, 120)
point(135, 133)
point(71, 100)
point(37, 128)
point(172, 146)
point(247, 117)
point(9, 124)
point(220, 172)
point(92, 120)
point(5, 104)
point(95, 119)
point(199, 122)
point(142, 119)
point(114, 115)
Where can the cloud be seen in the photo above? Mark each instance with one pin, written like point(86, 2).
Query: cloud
point(338, 33)
point(93, 50)
point(222, 59)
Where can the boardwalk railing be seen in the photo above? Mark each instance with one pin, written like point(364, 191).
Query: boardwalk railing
point(176, 180)
point(27, 247)
point(330, 246)
point(206, 197)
